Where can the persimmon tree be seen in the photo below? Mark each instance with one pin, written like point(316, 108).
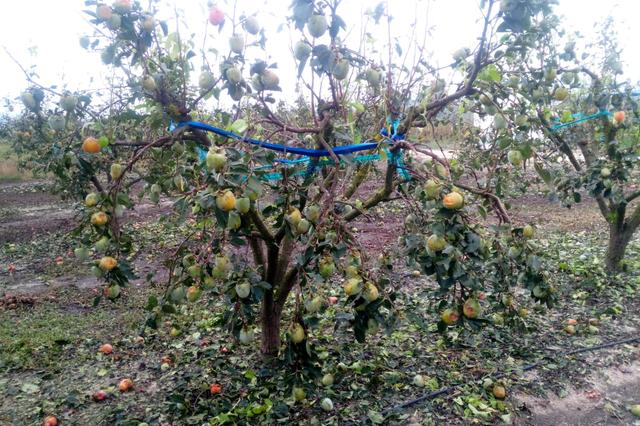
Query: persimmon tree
point(567, 113)
point(271, 235)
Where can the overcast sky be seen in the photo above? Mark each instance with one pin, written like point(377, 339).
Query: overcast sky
point(54, 28)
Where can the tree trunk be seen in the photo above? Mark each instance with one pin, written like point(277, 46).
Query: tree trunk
point(618, 241)
point(278, 261)
point(270, 320)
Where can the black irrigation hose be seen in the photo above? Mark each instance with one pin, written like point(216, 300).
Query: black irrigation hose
point(449, 389)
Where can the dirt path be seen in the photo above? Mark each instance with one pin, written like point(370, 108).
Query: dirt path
point(31, 219)
point(603, 401)
point(27, 211)
point(34, 285)
point(537, 210)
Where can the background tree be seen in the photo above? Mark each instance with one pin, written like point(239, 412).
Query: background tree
point(571, 117)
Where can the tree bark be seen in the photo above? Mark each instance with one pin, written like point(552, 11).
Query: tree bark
point(271, 314)
point(618, 241)
point(274, 298)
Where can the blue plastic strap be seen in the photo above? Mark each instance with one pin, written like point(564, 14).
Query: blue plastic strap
point(292, 162)
point(600, 113)
point(395, 157)
point(339, 150)
point(311, 168)
point(202, 154)
point(575, 116)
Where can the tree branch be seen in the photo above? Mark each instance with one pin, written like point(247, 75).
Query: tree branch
point(633, 221)
point(286, 248)
point(381, 195)
point(589, 159)
point(272, 263)
point(45, 88)
point(632, 196)
point(357, 180)
point(434, 107)
point(288, 282)
point(258, 253)
point(560, 142)
point(496, 202)
point(261, 226)
point(97, 184)
point(273, 119)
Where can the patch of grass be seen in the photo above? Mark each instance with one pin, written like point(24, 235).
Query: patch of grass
point(41, 337)
point(9, 171)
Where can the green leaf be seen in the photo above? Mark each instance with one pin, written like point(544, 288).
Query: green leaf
point(543, 173)
point(375, 417)
point(255, 185)
point(336, 23)
point(152, 321)
point(151, 303)
point(169, 309)
point(566, 117)
point(473, 242)
point(358, 106)
point(482, 211)
point(490, 73)
point(526, 151)
point(577, 197)
point(30, 388)
point(239, 126)
point(301, 66)
point(124, 200)
point(398, 49)
point(258, 67)
point(378, 12)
